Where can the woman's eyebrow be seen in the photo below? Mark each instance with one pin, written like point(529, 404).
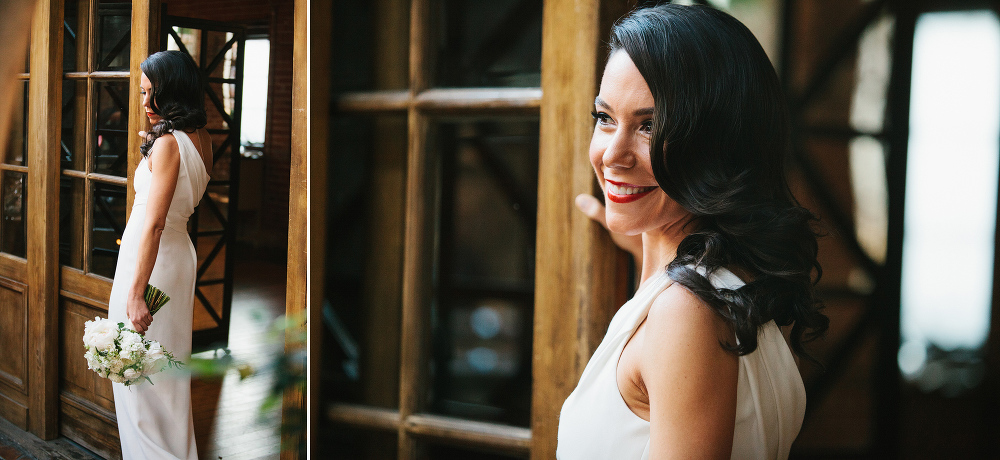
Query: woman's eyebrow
point(639, 113)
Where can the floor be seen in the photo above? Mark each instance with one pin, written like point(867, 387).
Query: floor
point(229, 422)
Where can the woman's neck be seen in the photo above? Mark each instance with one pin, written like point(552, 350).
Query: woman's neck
point(659, 246)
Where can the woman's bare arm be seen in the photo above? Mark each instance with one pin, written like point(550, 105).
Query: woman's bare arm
point(690, 379)
point(164, 160)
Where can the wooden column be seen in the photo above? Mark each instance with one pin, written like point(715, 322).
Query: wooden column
point(298, 224)
point(45, 116)
point(145, 41)
point(578, 283)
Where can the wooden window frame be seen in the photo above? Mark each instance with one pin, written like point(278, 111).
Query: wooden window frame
point(84, 277)
point(576, 262)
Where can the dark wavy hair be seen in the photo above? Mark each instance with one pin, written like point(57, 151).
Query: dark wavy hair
point(177, 95)
point(718, 148)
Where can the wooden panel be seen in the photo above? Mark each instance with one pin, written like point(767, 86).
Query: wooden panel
point(44, 124)
point(91, 289)
point(90, 426)
point(13, 268)
point(76, 378)
point(14, 410)
point(13, 335)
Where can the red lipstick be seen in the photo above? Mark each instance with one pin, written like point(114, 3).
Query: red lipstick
point(621, 192)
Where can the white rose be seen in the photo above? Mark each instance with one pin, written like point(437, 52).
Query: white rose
point(117, 378)
point(155, 351)
point(100, 334)
point(155, 360)
point(131, 374)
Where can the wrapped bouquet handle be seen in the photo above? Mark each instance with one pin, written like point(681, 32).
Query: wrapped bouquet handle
point(155, 299)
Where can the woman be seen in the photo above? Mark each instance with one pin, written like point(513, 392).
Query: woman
point(154, 421)
point(689, 148)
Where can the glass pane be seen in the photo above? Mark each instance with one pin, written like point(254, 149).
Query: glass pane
point(189, 39)
point(108, 225)
point(364, 260)
point(489, 43)
point(445, 452)
point(110, 140)
point(210, 216)
point(376, 56)
point(74, 117)
point(75, 36)
point(17, 144)
point(485, 297)
point(71, 206)
point(951, 195)
point(339, 441)
point(114, 21)
point(15, 201)
point(219, 100)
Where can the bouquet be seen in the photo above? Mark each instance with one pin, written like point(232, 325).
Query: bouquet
point(122, 354)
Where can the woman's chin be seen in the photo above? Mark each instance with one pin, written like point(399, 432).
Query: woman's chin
point(623, 227)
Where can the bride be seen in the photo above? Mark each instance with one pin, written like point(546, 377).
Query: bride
point(689, 147)
point(154, 421)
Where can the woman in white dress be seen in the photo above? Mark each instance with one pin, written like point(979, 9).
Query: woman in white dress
point(689, 146)
point(154, 421)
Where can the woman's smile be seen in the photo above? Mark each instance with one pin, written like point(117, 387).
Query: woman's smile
point(621, 192)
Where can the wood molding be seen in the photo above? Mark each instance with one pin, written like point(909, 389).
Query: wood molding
point(294, 402)
point(44, 126)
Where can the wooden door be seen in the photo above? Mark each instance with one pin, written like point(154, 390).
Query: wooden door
point(93, 200)
point(217, 48)
point(14, 379)
point(98, 152)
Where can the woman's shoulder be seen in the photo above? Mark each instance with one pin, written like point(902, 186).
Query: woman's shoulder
point(166, 141)
point(678, 316)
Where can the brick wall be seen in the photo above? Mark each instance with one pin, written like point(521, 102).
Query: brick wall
point(278, 16)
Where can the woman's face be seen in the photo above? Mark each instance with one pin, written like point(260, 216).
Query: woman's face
point(619, 152)
point(146, 90)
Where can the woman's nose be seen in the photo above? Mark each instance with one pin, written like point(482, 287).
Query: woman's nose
point(620, 152)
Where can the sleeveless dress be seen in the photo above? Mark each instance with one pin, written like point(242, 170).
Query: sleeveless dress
point(155, 421)
point(595, 423)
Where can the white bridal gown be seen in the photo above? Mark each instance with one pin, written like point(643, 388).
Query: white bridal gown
point(154, 421)
point(595, 423)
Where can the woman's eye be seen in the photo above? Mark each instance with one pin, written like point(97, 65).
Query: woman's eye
point(647, 127)
point(601, 117)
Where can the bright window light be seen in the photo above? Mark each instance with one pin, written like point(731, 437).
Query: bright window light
point(951, 194)
point(256, 61)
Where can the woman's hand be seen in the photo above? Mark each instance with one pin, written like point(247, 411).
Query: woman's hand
point(593, 208)
point(138, 313)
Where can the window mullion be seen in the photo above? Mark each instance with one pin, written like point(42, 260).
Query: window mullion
point(418, 242)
